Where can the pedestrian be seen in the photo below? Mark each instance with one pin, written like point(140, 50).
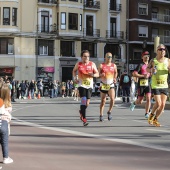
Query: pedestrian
point(40, 87)
point(63, 89)
point(159, 68)
point(4, 122)
point(108, 76)
point(76, 95)
point(86, 71)
point(144, 87)
point(32, 88)
point(22, 88)
point(125, 84)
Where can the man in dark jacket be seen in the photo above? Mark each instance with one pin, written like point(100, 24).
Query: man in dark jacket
point(23, 88)
point(125, 83)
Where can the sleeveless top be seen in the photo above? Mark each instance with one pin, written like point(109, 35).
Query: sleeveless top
point(85, 80)
point(159, 80)
point(107, 80)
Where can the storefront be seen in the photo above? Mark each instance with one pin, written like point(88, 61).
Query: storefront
point(6, 71)
point(46, 74)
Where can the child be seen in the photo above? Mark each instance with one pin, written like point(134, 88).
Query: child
point(5, 96)
point(5, 118)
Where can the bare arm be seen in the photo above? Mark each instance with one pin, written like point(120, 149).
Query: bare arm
point(95, 71)
point(75, 70)
point(150, 66)
point(115, 75)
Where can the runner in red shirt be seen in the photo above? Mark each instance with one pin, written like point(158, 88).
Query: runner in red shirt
point(86, 71)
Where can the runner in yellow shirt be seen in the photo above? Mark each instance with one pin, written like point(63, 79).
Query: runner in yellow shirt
point(159, 68)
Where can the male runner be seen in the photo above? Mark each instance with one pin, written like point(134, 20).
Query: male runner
point(159, 68)
point(144, 87)
point(108, 75)
point(86, 71)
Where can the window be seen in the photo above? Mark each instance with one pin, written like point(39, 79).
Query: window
point(92, 47)
point(6, 16)
point(80, 22)
point(137, 54)
point(67, 48)
point(45, 21)
point(14, 16)
point(63, 20)
point(6, 46)
point(73, 21)
point(142, 9)
point(46, 47)
point(143, 31)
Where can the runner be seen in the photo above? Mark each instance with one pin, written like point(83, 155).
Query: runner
point(108, 75)
point(86, 71)
point(144, 87)
point(159, 68)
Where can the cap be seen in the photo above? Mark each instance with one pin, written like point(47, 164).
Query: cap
point(145, 53)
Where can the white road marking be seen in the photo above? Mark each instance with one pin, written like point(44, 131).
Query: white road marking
point(157, 130)
point(125, 141)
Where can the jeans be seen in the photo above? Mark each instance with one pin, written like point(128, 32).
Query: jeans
point(4, 138)
point(32, 93)
point(55, 92)
point(126, 93)
point(51, 93)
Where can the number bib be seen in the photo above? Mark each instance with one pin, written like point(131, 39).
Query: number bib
point(160, 82)
point(105, 87)
point(144, 82)
point(86, 83)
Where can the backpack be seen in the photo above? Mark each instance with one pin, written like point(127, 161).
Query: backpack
point(126, 79)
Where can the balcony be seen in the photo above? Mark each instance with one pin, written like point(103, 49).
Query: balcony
point(48, 2)
point(49, 29)
point(113, 34)
point(160, 17)
point(92, 5)
point(117, 7)
point(163, 39)
point(91, 33)
point(161, 1)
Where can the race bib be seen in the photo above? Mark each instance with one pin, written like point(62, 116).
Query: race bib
point(144, 82)
point(105, 87)
point(86, 83)
point(160, 82)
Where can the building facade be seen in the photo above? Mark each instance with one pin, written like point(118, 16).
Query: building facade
point(145, 21)
point(44, 38)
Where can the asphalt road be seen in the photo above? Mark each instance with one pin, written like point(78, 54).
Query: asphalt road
point(48, 134)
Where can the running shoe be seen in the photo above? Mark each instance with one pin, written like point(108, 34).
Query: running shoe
point(101, 119)
point(85, 123)
point(109, 116)
point(150, 119)
point(146, 115)
point(156, 123)
point(132, 106)
point(81, 116)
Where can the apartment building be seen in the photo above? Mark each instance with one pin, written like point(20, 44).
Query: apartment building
point(44, 38)
point(146, 20)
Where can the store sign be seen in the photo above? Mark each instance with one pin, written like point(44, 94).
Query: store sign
point(46, 69)
point(6, 70)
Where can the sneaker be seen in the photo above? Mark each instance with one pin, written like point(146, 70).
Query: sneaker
point(132, 106)
point(150, 119)
point(85, 123)
point(156, 123)
point(77, 99)
point(109, 116)
point(146, 115)
point(101, 119)
point(7, 160)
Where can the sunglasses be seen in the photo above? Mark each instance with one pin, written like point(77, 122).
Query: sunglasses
point(161, 49)
point(109, 56)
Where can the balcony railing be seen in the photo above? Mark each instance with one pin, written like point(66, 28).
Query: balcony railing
point(117, 7)
point(163, 39)
point(113, 34)
point(91, 33)
point(48, 1)
point(48, 28)
point(91, 4)
point(160, 17)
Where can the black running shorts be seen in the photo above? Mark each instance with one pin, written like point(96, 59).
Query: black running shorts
point(83, 92)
